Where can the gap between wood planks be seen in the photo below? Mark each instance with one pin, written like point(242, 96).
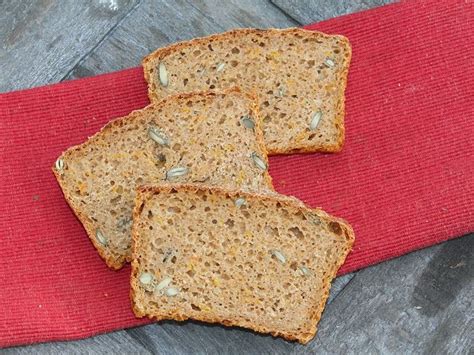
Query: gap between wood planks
point(104, 37)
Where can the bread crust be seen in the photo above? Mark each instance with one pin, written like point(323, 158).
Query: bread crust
point(144, 192)
point(119, 261)
point(160, 53)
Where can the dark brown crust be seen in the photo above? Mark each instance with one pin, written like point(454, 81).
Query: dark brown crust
point(147, 62)
point(118, 263)
point(145, 192)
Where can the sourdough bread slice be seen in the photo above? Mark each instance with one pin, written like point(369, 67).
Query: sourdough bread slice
point(257, 261)
point(299, 75)
point(200, 137)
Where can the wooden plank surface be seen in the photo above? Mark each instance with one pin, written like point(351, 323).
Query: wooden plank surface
point(157, 23)
point(419, 303)
point(41, 41)
point(112, 343)
point(376, 310)
point(309, 11)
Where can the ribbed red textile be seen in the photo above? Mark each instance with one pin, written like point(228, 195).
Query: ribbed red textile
point(404, 179)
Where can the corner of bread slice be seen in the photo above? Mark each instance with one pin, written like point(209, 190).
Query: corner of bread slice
point(58, 171)
point(313, 310)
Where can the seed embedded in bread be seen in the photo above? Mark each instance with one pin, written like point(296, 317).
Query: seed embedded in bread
point(175, 172)
point(264, 266)
point(259, 163)
point(295, 73)
point(240, 202)
point(194, 137)
point(279, 255)
point(315, 120)
point(220, 67)
point(146, 278)
point(59, 164)
point(163, 284)
point(158, 136)
point(248, 122)
point(163, 74)
point(101, 238)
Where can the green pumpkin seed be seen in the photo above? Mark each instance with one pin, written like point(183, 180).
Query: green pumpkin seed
point(303, 270)
point(278, 254)
point(171, 292)
point(163, 284)
point(220, 67)
point(315, 120)
point(159, 137)
point(176, 172)
point(163, 74)
point(248, 122)
point(124, 223)
point(240, 202)
point(146, 278)
point(101, 238)
point(329, 63)
point(259, 162)
point(281, 91)
point(59, 164)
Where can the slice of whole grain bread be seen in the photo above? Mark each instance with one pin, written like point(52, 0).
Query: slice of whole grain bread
point(199, 137)
point(299, 75)
point(258, 261)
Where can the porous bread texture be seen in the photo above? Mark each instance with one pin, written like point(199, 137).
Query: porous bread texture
point(205, 142)
point(299, 75)
point(266, 265)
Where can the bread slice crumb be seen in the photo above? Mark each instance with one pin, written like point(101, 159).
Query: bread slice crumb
point(196, 137)
point(258, 261)
point(299, 75)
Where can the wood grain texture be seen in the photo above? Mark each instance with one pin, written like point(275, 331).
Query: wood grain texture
point(310, 11)
point(419, 303)
point(159, 23)
point(113, 343)
point(41, 41)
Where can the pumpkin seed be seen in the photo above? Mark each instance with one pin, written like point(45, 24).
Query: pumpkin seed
point(303, 270)
point(329, 63)
point(315, 120)
point(163, 284)
point(171, 292)
point(159, 137)
point(220, 67)
point(278, 254)
point(175, 172)
point(248, 122)
point(281, 91)
point(101, 238)
point(146, 278)
point(259, 162)
point(124, 223)
point(59, 164)
point(240, 202)
point(163, 74)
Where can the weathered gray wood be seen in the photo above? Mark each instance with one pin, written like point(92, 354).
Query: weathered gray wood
point(419, 303)
point(338, 285)
point(309, 11)
point(113, 343)
point(40, 41)
point(154, 24)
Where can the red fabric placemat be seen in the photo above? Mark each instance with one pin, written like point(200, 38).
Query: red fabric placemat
point(404, 179)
